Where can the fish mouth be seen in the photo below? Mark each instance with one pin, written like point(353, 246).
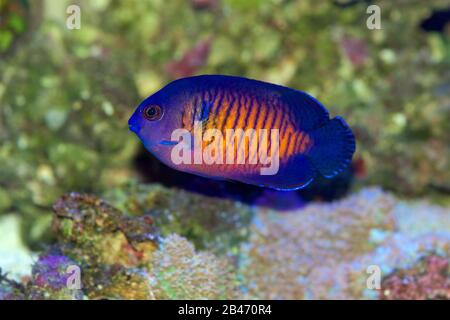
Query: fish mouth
point(133, 123)
point(133, 127)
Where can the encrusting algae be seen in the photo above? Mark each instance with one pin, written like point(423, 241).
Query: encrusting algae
point(324, 250)
point(319, 251)
point(122, 257)
point(215, 224)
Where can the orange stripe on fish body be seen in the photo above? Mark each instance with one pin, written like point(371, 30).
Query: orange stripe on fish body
point(237, 111)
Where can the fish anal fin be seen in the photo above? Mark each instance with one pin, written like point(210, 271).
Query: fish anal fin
point(297, 173)
point(308, 113)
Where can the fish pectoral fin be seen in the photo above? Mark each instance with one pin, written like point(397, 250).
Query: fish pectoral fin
point(168, 143)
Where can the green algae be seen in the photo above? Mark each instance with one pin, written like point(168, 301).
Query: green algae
point(124, 257)
point(210, 223)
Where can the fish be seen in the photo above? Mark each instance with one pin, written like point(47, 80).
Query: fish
point(239, 129)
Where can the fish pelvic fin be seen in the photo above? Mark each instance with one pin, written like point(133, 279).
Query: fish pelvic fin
point(333, 147)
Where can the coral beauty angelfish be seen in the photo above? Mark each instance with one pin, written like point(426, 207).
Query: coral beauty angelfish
point(233, 128)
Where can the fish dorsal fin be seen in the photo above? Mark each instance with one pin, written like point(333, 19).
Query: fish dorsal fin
point(308, 113)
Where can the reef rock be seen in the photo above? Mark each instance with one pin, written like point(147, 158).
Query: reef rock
point(327, 250)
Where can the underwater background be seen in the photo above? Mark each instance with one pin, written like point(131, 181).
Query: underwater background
point(77, 189)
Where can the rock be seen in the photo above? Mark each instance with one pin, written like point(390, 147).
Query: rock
point(210, 223)
point(323, 251)
point(429, 278)
point(51, 279)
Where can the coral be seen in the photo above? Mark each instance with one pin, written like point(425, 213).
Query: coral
point(428, 279)
point(210, 223)
point(107, 244)
point(94, 232)
point(63, 115)
point(119, 282)
point(324, 250)
point(182, 273)
point(123, 257)
point(10, 290)
point(15, 257)
point(174, 271)
point(51, 279)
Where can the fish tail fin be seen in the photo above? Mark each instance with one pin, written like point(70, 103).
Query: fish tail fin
point(333, 148)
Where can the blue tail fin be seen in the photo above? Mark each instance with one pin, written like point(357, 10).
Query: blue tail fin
point(334, 145)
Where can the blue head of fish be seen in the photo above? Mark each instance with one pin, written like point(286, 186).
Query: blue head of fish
point(157, 117)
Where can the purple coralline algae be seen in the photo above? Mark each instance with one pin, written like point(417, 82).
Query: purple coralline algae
point(51, 279)
point(428, 279)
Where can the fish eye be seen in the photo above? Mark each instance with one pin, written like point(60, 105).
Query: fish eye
point(152, 112)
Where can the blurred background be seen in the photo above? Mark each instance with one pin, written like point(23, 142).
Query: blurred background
point(66, 96)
